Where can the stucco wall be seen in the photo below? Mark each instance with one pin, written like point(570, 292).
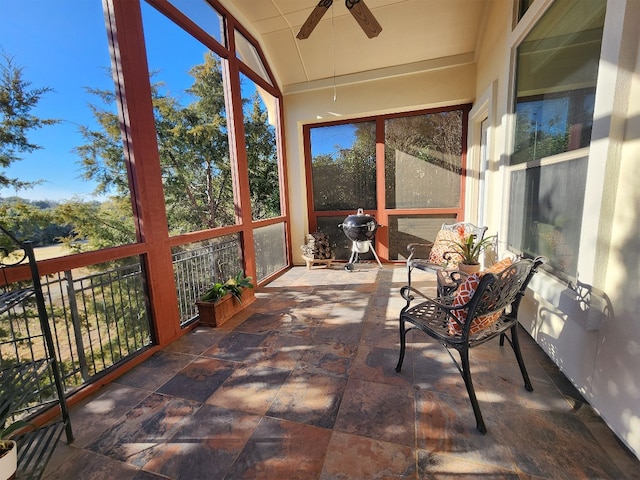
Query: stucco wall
point(446, 86)
point(597, 343)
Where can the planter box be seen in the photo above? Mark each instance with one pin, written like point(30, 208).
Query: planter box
point(214, 314)
point(9, 463)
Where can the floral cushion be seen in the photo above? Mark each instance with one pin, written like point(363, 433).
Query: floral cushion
point(463, 295)
point(442, 245)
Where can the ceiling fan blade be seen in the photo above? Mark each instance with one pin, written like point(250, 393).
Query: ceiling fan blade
point(314, 19)
point(364, 17)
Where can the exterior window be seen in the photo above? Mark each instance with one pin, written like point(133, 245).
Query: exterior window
point(557, 67)
point(523, 6)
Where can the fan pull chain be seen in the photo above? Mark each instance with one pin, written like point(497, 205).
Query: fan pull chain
point(333, 39)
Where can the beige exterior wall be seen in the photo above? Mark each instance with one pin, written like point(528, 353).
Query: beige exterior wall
point(597, 344)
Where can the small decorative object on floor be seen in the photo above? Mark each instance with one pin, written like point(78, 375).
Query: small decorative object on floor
point(317, 250)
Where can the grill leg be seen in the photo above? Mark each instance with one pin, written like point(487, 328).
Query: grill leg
point(375, 254)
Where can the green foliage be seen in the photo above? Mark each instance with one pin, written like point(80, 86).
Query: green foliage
point(193, 145)
point(262, 160)
point(29, 221)
point(348, 179)
point(234, 286)
point(7, 432)
point(96, 225)
point(470, 250)
point(17, 102)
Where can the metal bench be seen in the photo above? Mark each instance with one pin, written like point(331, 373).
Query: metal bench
point(497, 297)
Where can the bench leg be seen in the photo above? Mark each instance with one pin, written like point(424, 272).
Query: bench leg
point(515, 345)
point(403, 342)
point(466, 376)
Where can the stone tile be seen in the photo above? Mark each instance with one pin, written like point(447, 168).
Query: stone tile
point(263, 322)
point(279, 351)
point(205, 446)
point(378, 365)
point(87, 465)
point(309, 398)
point(446, 425)
point(236, 346)
point(332, 331)
point(150, 423)
point(332, 360)
point(156, 370)
point(250, 389)
point(318, 349)
point(378, 411)
point(198, 380)
point(95, 414)
point(503, 383)
point(381, 331)
point(352, 456)
point(282, 449)
point(433, 466)
point(434, 370)
point(553, 445)
point(196, 341)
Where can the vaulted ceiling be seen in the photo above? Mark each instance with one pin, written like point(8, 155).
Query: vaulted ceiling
point(416, 35)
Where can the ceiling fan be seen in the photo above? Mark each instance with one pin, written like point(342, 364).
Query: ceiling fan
point(358, 9)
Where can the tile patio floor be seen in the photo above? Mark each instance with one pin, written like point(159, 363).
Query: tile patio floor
point(302, 385)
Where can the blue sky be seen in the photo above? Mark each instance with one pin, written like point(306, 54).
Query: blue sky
point(62, 44)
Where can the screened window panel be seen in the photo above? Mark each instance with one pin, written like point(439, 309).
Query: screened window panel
point(204, 15)
point(271, 250)
point(407, 229)
point(77, 170)
point(248, 53)
point(343, 164)
point(423, 160)
point(259, 117)
point(191, 127)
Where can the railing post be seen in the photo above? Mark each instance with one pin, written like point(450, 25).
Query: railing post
point(77, 327)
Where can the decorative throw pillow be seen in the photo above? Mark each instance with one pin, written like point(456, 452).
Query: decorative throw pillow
point(443, 244)
point(463, 295)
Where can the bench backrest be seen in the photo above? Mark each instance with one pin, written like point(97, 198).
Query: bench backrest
point(501, 292)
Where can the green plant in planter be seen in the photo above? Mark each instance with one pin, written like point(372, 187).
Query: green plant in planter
point(468, 249)
point(8, 457)
point(6, 433)
point(234, 286)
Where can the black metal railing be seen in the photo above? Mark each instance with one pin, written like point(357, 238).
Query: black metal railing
point(198, 266)
point(97, 320)
point(99, 314)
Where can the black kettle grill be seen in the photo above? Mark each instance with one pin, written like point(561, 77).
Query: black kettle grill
point(361, 230)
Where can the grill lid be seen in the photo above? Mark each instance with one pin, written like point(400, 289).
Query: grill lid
point(359, 227)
